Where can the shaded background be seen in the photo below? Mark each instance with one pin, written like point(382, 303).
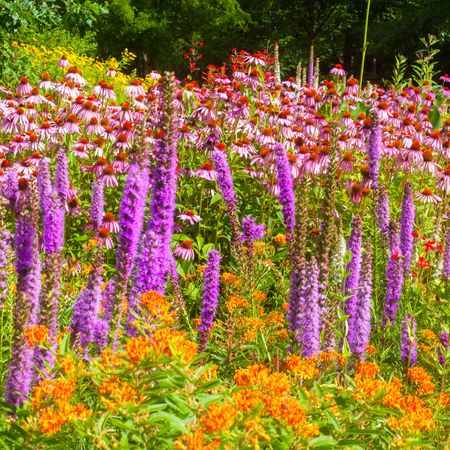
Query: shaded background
point(160, 32)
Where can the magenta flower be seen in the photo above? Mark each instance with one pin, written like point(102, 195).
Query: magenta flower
point(185, 251)
point(189, 216)
point(338, 70)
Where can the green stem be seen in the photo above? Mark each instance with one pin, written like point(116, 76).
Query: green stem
point(363, 59)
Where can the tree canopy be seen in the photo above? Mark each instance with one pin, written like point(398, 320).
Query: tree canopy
point(160, 32)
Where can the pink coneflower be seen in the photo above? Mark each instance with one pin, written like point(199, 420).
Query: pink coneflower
point(81, 148)
point(338, 70)
point(444, 180)
point(36, 98)
point(75, 75)
point(120, 163)
point(346, 164)
point(206, 172)
point(109, 222)
point(63, 62)
point(243, 148)
point(254, 59)
point(45, 84)
point(24, 87)
point(355, 191)
point(189, 216)
point(154, 75)
point(111, 72)
point(108, 176)
point(122, 143)
point(104, 90)
point(266, 137)
point(70, 126)
point(312, 164)
point(104, 238)
point(94, 127)
point(134, 89)
point(414, 153)
point(73, 206)
point(67, 89)
point(25, 167)
point(185, 251)
point(352, 86)
point(428, 165)
point(445, 78)
point(427, 196)
point(433, 140)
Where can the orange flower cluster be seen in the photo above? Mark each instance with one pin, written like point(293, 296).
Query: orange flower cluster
point(259, 296)
point(51, 420)
point(196, 441)
point(415, 416)
point(117, 393)
point(235, 302)
point(157, 306)
point(304, 369)
point(279, 239)
point(219, 417)
point(36, 334)
point(422, 379)
point(137, 348)
point(251, 325)
point(230, 279)
point(173, 343)
point(269, 393)
point(59, 392)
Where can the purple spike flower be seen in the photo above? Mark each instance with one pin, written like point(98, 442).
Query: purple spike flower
point(383, 215)
point(98, 203)
point(62, 175)
point(361, 324)
point(211, 290)
point(394, 277)
point(310, 321)
point(296, 300)
point(443, 339)
point(409, 341)
point(153, 262)
point(28, 268)
point(374, 151)
point(354, 269)
point(4, 251)
point(446, 267)
point(225, 181)
point(52, 212)
point(287, 196)
point(251, 231)
point(407, 228)
point(53, 241)
point(87, 307)
point(131, 218)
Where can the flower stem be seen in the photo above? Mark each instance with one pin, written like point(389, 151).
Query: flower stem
point(363, 58)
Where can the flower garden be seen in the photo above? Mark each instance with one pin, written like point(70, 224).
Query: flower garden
point(242, 263)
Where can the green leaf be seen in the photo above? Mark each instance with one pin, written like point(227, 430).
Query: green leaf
point(435, 118)
point(215, 199)
point(324, 442)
